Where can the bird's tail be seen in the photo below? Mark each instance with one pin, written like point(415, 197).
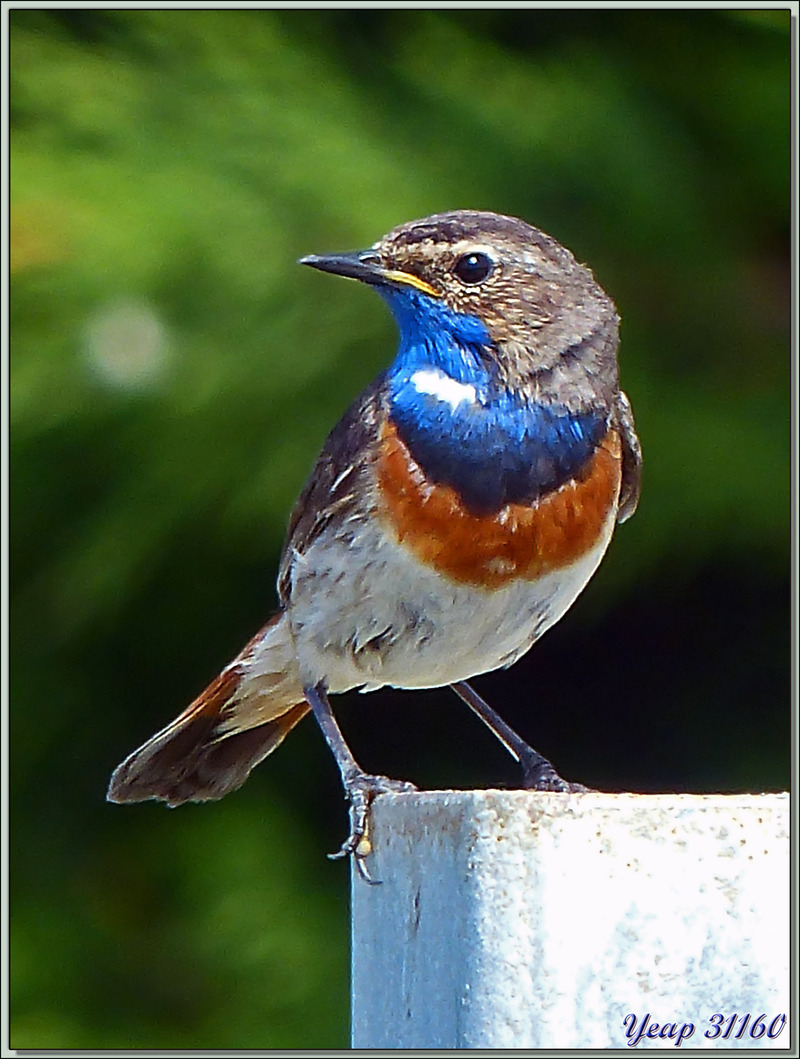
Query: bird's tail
point(210, 749)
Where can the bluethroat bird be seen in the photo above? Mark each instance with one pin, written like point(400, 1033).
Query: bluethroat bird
point(454, 514)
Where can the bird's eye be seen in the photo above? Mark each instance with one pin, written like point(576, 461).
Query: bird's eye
point(473, 268)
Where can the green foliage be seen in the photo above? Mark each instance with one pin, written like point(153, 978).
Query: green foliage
point(174, 374)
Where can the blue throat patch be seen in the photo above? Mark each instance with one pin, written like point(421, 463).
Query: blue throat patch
point(492, 446)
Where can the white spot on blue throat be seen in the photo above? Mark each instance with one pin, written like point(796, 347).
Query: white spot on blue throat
point(433, 336)
point(437, 383)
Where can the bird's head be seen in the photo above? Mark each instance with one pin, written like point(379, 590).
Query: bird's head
point(496, 283)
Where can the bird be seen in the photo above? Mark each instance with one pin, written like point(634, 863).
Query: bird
point(454, 514)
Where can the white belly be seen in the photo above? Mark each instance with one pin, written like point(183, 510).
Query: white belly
point(365, 613)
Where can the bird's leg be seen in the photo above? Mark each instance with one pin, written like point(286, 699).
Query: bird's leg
point(537, 772)
point(360, 788)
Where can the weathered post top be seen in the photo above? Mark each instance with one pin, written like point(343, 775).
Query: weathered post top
point(518, 919)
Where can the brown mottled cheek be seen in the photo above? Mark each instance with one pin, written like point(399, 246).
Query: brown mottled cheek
point(518, 541)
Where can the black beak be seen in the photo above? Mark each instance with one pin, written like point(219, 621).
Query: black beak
point(366, 266)
point(359, 264)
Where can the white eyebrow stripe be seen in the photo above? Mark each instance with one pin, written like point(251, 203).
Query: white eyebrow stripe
point(442, 387)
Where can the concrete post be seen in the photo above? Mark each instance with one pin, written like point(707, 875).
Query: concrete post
point(513, 919)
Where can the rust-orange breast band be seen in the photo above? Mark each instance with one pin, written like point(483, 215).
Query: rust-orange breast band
point(519, 541)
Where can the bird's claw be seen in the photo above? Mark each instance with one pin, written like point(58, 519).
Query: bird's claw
point(361, 790)
point(539, 775)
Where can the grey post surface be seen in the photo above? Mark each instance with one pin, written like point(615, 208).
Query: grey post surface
point(513, 919)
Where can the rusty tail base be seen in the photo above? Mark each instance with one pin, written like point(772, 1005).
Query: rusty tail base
point(211, 748)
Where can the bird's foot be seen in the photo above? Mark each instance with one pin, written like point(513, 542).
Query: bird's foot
point(361, 790)
point(539, 775)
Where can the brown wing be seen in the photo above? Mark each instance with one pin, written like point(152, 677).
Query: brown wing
point(341, 483)
point(631, 458)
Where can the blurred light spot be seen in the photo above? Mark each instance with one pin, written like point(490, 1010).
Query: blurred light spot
point(127, 345)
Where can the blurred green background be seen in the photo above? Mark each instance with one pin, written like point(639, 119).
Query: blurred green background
point(174, 373)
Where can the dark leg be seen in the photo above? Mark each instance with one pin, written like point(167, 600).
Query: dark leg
point(537, 772)
point(360, 788)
